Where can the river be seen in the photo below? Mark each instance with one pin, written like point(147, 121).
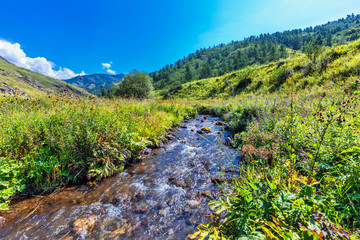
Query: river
point(163, 197)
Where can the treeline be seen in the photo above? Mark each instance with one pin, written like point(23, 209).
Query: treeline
point(221, 59)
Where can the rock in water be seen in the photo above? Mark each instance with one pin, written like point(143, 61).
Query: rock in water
point(83, 226)
point(228, 141)
point(2, 221)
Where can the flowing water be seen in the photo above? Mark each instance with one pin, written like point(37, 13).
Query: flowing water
point(163, 197)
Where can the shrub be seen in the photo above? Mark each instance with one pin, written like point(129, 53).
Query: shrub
point(135, 85)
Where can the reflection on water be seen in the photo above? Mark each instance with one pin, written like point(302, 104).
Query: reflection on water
point(163, 197)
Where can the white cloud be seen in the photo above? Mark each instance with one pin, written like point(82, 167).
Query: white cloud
point(106, 65)
point(112, 72)
point(13, 53)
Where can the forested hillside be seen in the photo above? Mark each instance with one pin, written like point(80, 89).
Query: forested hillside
point(337, 67)
point(222, 59)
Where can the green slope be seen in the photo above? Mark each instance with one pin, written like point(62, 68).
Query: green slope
point(34, 83)
point(338, 67)
point(219, 60)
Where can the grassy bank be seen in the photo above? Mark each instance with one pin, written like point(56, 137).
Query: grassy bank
point(50, 141)
point(300, 177)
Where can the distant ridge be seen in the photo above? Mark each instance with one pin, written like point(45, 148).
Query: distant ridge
point(94, 82)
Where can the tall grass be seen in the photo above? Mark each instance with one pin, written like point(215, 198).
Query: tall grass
point(300, 178)
point(51, 141)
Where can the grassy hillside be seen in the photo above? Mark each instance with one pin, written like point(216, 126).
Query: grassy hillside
point(34, 83)
point(218, 60)
point(338, 67)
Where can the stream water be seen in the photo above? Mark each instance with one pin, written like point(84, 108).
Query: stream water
point(163, 197)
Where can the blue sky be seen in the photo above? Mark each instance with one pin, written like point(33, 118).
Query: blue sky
point(118, 36)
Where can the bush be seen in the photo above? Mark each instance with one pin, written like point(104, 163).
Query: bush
point(135, 85)
point(279, 77)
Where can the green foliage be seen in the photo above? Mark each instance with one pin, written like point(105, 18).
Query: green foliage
point(10, 181)
point(135, 84)
point(48, 142)
point(300, 176)
point(313, 50)
point(278, 77)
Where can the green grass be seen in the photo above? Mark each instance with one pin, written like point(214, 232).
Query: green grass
point(50, 141)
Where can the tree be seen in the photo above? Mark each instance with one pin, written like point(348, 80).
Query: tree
point(188, 74)
point(313, 50)
point(205, 71)
point(135, 84)
point(103, 92)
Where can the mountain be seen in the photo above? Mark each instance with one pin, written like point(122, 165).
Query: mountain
point(221, 59)
point(15, 80)
point(94, 82)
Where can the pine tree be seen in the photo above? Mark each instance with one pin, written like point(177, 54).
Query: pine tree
point(188, 74)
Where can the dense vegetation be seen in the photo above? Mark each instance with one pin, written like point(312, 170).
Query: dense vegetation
point(300, 176)
point(337, 66)
point(48, 142)
point(221, 59)
point(135, 84)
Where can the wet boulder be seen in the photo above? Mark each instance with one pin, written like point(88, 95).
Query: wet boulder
point(147, 151)
point(141, 209)
point(228, 141)
point(193, 203)
point(83, 226)
point(117, 233)
point(2, 221)
point(204, 130)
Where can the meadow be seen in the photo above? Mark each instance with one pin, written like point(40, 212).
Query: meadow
point(52, 140)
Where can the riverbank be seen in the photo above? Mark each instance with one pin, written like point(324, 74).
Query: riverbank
point(163, 197)
point(49, 142)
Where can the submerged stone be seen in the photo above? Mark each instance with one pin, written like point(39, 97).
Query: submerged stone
point(83, 226)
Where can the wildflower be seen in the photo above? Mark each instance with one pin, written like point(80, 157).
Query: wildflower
point(351, 203)
point(202, 120)
point(192, 130)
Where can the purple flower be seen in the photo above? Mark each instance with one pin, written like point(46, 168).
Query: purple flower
point(351, 203)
